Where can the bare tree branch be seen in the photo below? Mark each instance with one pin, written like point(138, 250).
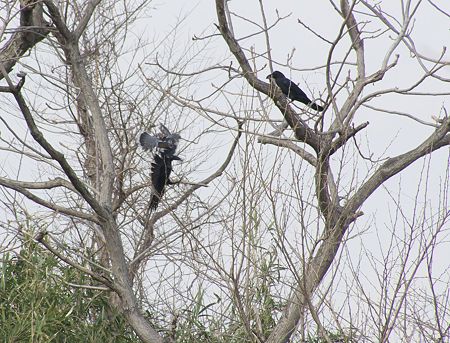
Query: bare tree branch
point(21, 187)
point(301, 130)
point(40, 237)
point(32, 30)
point(90, 7)
point(56, 155)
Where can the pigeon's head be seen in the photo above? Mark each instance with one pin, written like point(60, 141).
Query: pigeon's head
point(275, 75)
point(165, 135)
point(175, 137)
point(172, 141)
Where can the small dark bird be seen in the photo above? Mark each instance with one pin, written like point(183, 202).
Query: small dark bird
point(291, 90)
point(165, 145)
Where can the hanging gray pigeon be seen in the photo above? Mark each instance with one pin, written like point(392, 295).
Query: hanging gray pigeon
point(163, 145)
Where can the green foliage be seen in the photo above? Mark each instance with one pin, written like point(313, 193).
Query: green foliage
point(209, 322)
point(215, 322)
point(335, 337)
point(38, 305)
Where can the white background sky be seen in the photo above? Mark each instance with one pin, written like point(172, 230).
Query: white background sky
point(388, 134)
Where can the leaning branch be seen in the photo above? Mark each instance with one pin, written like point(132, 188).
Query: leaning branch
point(55, 154)
point(54, 183)
point(32, 30)
point(69, 41)
point(355, 35)
point(40, 238)
point(301, 130)
point(89, 11)
point(345, 136)
point(394, 165)
point(18, 187)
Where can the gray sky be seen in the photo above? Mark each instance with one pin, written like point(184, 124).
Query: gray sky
point(387, 135)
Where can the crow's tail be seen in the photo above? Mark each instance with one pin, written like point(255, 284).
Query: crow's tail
point(154, 201)
point(316, 107)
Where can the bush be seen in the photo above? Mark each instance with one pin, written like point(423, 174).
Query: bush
point(39, 305)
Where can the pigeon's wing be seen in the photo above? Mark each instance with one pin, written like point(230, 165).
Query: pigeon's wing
point(168, 141)
point(164, 130)
point(173, 138)
point(147, 141)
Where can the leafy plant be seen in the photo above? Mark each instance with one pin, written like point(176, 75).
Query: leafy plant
point(40, 304)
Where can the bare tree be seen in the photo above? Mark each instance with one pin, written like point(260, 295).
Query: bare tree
point(97, 182)
point(331, 132)
point(256, 242)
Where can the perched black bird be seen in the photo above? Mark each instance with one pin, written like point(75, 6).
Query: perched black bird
point(164, 145)
point(291, 90)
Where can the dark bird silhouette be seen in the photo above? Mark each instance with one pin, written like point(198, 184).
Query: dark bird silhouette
point(163, 145)
point(291, 90)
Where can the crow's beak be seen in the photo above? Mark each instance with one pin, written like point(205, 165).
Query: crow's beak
point(269, 76)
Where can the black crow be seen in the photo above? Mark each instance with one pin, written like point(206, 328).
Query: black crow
point(291, 90)
point(164, 145)
point(161, 169)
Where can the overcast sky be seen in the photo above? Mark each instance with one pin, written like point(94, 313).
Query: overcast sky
point(386, 136)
